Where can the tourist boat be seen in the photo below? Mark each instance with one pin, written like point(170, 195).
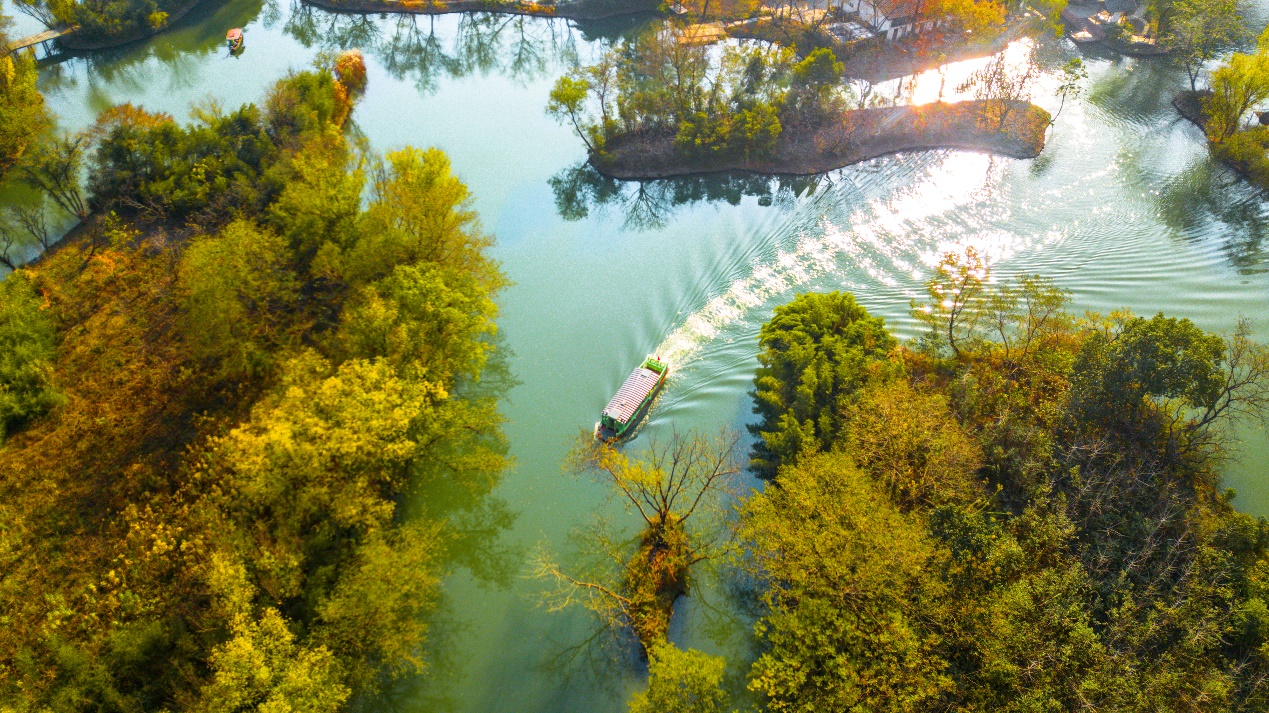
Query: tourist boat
point(632, 400)
point(234, 39)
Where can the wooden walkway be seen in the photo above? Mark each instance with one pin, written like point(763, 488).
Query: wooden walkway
point(46, 36)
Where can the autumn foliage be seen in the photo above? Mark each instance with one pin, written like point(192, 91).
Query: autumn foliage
point(215, 424)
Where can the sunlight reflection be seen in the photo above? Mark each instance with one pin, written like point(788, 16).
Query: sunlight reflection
point(925, 88)
point(881, 243)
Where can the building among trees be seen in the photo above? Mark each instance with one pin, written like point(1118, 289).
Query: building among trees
point(895, 19)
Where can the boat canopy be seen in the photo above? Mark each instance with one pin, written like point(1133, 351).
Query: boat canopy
point(638, 385)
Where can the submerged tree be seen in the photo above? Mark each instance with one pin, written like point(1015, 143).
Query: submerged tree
point(681, 491)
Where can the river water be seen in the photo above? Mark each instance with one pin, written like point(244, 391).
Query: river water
point(1123, 208)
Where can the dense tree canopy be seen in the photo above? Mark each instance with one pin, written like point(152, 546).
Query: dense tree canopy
point(738, 104)
point(817, 352)
point(26, 355)
point(1021, 512)
point(226, 504)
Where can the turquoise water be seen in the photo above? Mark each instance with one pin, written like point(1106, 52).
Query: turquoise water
point(1123, 208)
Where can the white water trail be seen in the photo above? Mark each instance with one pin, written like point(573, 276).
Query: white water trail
point(890, 242)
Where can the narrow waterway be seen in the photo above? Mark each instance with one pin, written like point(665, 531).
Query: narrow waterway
point(1123, 208)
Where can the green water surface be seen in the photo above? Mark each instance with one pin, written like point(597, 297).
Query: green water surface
point(1123, 208)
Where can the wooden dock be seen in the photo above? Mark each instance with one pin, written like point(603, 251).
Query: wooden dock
point(41, 38)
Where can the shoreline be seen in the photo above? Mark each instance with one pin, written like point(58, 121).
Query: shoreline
point(569, 10)
point(1189, 105)
point(68, 42)
point(862, 135)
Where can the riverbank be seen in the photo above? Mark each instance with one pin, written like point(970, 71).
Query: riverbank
point(572, 10)
point(1245, 153)
point(877, 59)
point(76, 43)
point(1189, 104)
point(861, 135)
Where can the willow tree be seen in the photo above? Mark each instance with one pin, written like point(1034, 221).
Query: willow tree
point(1237, 87)
point(1198, 30)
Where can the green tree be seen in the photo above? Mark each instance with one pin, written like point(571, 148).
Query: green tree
point(1198, 30)
point(815, 83)
point(26, 354)
point(1237, 86)
point(913, 446)
point(1165, 377)
point(681, 682)
point(421, 213)
point(240, 297)
point(844, 574)
point(568, 101)
point(262, 668)
point(22, 114)
point(318, 209)
point(817, 353)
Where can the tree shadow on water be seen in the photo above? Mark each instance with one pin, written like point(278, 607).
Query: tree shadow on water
point(648, 205)
point(429, 48)
point(454, 488)
point(1209, 201)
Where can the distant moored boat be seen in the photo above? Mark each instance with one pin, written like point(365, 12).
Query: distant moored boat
point(234, 39)
point(632, 400)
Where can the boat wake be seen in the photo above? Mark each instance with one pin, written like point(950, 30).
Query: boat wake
point(880, 250)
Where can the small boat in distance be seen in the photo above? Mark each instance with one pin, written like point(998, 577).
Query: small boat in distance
point(632, 400)
point(233, 38)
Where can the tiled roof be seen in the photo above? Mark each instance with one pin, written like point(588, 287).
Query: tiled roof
point(632, 393)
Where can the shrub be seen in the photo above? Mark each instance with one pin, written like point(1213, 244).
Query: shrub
point(26, 353)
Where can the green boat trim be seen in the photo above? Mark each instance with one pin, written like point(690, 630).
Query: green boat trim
point(632, 401)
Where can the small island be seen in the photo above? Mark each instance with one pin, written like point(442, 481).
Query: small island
point(761, 109)
point(858, 136)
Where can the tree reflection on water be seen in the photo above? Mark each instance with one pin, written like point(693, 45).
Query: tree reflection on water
point(1209, 200)
point(411, 46)
point(648, 205)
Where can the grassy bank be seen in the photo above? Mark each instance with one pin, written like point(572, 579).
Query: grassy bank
point(1015, 129)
